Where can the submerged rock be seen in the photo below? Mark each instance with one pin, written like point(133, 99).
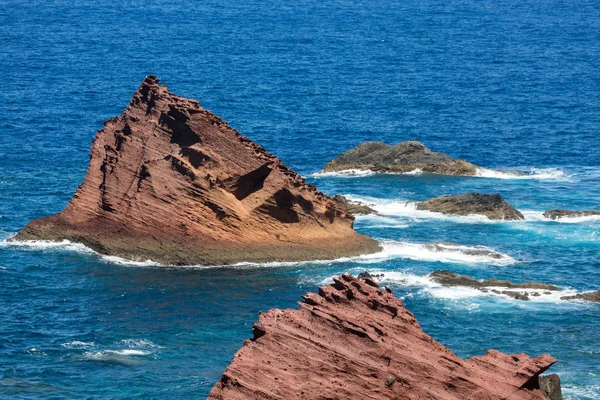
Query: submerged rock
point(401, 157)
point(448, 278)
point(492, 206)
point(589, 296)
point(353, 340)
point(355, 208)
point(172, 182)
point(556, 214)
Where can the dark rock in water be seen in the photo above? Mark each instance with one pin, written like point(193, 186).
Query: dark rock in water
point(448, 278)
point(492, 206)
point(469, 250)
point(402, 157)
point(367, 275)
point(351, 207)
point(589, 296)
point(550, 386)
point(556, 214)
point(356, 341)
point(172, 182)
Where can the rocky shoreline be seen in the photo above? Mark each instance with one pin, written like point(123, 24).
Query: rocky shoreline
point(492, 206)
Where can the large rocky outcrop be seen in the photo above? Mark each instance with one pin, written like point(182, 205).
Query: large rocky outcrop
point(401, 157)
point(492, 206)
point(557, 214)
point(353, 340)
point(172, 182)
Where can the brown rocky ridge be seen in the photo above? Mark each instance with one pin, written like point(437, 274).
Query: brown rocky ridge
point(399, 158)
point(354, 340)
point(492, 206)
point(557, 214)
point(172, 182)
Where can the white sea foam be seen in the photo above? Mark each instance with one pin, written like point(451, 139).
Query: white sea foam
point(67, 245)
point(408, 209)
point(538, 216)
point(446, 253)
point(76, 344)
point(389, 250)
point(527, 173)
point(348, 173)
point(115, 355)
point(360, 173)
point(572, 392)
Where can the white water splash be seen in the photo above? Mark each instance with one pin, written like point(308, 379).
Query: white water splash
point(554, 174)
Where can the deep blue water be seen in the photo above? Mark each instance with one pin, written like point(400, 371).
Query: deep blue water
point(511, 84)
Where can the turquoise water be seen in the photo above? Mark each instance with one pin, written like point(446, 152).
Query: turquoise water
point(505, 84)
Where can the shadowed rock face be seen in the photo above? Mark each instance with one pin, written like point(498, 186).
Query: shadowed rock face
point(352, 207)
point(353, 340)
point(556, 214)
point(492, 206)
point(402, 157)
point(550, 386)
point(172, 182)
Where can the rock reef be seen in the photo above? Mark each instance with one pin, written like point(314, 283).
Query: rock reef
point(400, 158)
point(448, 278)
point(172, 182)
point(492, 206)
point(588, 296)
point(557, 214)
point(354, 340)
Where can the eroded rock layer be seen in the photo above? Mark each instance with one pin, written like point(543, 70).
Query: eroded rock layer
point(172, 182)
point(402, 157)
point(353, 340)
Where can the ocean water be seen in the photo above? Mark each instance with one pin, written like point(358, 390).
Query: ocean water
point(511, 84)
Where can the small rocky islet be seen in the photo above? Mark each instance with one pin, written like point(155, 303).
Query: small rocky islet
point(399, 158)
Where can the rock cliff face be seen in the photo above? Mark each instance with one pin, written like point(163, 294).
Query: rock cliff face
point(492, 206)
point(402, 157)
point(172, 182)
point(353, 340)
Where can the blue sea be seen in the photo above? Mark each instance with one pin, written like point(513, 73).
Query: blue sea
point(506, 84)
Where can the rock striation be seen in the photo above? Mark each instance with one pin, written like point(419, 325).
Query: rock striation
point(448, 278)
point(353, 340)
point(400, 158)
point(492, 206)
point(172, 182)
point(557, 214)
point(355, 208)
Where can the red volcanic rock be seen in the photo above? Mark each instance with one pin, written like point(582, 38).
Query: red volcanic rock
point(172, 182)
point(353, 340)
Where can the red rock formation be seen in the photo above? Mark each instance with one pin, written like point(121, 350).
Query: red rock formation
point(355, 341)
point(172, 182)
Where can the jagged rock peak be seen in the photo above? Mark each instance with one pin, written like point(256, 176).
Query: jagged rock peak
point(172, 182)
point(353, 340)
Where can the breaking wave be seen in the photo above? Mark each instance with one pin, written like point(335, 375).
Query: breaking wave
point(448, 253)
point(554, 174)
